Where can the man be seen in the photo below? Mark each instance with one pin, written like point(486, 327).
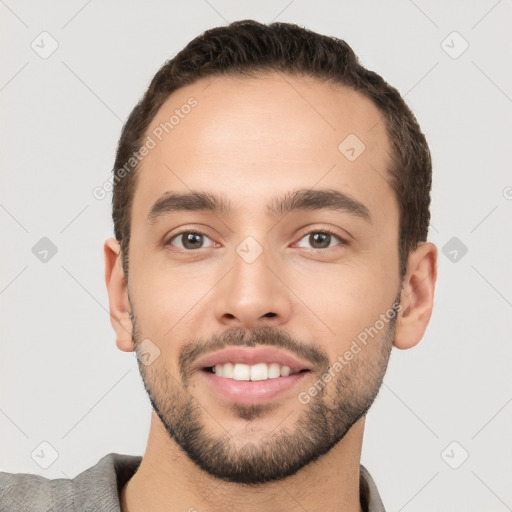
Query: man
point(271, 209)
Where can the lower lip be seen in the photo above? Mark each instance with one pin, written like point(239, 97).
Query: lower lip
point(249, 392)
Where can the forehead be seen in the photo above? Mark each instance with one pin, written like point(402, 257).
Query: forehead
point(248, 138)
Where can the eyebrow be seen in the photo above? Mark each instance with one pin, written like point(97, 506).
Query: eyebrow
point(297, 200)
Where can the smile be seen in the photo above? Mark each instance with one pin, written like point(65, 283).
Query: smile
point(256, 372)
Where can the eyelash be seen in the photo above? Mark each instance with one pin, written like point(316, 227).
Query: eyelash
point(327, 231)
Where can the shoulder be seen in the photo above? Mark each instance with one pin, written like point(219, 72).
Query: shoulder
point(96, 488)
point(368, 493)
point(28, 492)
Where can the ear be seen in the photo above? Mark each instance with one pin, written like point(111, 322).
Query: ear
point(119, 304)
point(417, 297)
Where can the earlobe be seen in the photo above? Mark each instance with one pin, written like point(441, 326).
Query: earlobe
point(119, 305)
point(417, 297)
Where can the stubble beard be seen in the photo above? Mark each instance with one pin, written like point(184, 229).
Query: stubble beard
point(322, 422)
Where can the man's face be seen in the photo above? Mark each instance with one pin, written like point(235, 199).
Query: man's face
point(277, 280)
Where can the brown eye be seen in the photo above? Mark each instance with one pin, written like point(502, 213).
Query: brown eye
point(189, 240)
point(321, 240)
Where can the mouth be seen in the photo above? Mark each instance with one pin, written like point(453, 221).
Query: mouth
point(251, 376)
point(259, 361)
point(251, 392)
point(255, 372)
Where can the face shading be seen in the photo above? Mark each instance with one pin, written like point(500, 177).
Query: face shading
point(259, 253)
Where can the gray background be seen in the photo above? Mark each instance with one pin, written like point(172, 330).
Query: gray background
point(62, 379)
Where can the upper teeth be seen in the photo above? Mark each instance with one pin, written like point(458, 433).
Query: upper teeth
point(260, 371)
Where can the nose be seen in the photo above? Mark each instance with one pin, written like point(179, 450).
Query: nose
point(253, 294)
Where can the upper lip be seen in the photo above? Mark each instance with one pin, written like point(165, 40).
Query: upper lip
point(252, 356)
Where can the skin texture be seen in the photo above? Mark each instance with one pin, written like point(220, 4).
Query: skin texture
point(249, 140)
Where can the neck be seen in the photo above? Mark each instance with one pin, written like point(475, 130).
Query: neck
point(167, 480)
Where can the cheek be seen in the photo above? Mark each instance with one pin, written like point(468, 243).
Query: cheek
point(169, 298)
point(333, 295)
point(164, 291)
point(344, 300)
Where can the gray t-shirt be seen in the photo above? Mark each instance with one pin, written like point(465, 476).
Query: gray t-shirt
point(97, 489)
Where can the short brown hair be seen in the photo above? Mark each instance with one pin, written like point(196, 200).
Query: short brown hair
point(249, 48)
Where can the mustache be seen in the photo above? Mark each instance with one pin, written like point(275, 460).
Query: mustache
point(237, 336)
